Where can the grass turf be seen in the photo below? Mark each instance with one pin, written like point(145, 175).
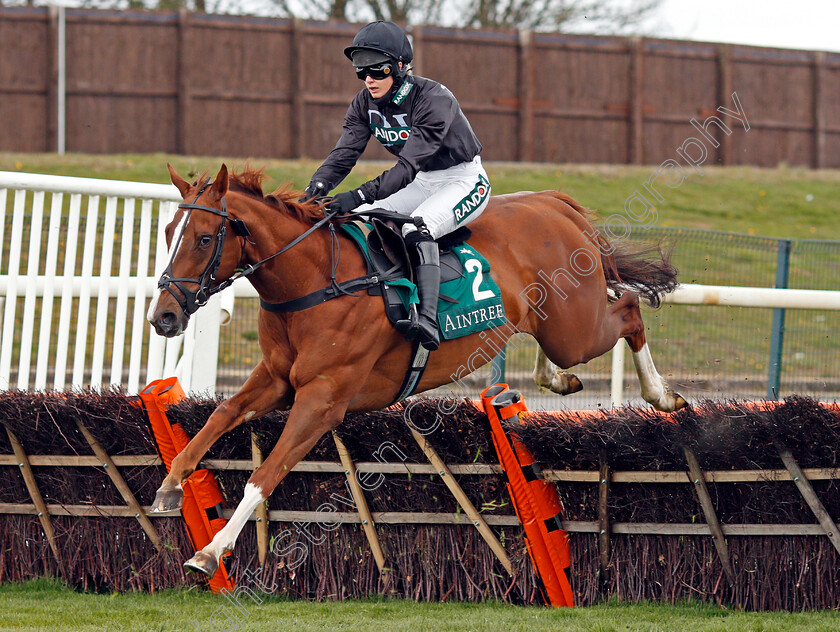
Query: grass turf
point(781, 202)
point(45, 605)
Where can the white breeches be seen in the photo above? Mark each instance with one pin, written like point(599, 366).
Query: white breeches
point(445, 199)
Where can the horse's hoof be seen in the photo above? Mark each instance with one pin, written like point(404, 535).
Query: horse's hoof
point(575, 384)
point(563, 383)
point(202, 562)
point(669, 402)
point(168, 500)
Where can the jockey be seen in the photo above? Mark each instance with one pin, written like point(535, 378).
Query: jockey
point(438, 179)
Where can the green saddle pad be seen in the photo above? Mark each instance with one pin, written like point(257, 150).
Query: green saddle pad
point(477, 300)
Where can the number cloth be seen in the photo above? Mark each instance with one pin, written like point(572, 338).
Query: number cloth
point(479, 302)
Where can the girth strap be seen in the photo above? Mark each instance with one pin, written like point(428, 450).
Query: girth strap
point(419, 360)
point(330, 292)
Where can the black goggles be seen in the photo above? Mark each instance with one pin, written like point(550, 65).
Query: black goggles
point(378, 72)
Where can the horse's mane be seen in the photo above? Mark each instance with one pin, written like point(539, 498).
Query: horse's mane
point(249, 181)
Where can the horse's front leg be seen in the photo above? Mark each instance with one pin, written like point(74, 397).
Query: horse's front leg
point(260, 394)
point(318, 408)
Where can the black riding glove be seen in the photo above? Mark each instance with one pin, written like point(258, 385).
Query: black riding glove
point(314, 189)
point(345, 202)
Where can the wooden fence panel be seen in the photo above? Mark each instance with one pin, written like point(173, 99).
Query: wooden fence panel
point(581, 99)
point(481, 69)
point(24, 80)
point(679, 83)
point(269, 88)
point(121, 82)
point(239, 87)
point(778, 87)
point(829, 105)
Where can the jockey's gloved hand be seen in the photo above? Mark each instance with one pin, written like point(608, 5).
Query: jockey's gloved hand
point(345, 202)
point(314, 189)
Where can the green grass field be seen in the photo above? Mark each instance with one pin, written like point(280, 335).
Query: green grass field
point(778, 203)
point(42, 605)
point(783, 202)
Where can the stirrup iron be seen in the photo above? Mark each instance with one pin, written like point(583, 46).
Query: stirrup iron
point(409, 327)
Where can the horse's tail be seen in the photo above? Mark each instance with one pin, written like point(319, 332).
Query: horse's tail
point(644, 269)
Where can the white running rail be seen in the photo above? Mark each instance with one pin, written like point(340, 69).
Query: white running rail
point(78, 266)
point(730, 296)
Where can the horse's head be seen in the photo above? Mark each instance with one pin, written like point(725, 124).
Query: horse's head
point(200, 259)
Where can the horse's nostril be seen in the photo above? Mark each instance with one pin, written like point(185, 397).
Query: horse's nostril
point(167, 324)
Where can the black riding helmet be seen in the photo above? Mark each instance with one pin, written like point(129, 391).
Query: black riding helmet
point(378, 43)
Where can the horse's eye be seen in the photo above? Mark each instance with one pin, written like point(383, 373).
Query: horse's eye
point(204, 241)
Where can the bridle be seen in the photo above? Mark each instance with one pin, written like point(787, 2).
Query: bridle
point(191, 300)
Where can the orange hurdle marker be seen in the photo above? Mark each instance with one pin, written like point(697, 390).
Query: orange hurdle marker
point(203, 502)
point(535, 500)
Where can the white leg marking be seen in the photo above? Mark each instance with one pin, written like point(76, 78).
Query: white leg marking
point(226, 538)
point(654, 388)
point(649, 378)
point(544, 369)
point(156, 296)
point(549, 375)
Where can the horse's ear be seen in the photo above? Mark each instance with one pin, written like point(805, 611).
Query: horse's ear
point(182, 185)
point(220, 184)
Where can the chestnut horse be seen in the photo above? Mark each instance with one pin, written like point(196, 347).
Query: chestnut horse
point(561, 282)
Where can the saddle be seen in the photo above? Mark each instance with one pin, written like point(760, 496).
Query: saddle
point(387, 253)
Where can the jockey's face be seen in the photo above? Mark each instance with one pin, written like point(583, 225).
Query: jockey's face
point(378, 88)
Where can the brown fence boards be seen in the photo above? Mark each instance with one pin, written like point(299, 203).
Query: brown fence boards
point(243, 86)
point(25, 78)
point(121, 84)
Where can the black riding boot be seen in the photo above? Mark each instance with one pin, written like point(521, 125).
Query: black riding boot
point(422, 323)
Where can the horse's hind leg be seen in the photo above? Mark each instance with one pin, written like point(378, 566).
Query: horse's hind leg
point(548, 375)
point(654, 388)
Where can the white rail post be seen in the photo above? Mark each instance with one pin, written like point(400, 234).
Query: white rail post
point(30, 298)
point(103, 297)
point(205, 352)
point(617, 374)
point(50, 272)
point(83, 312)
point(64, 326)
point(10, 306)
point(119, 319)
point(160, 362)
point(139, 325)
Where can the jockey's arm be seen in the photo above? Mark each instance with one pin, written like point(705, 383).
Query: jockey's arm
point(346, 152)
